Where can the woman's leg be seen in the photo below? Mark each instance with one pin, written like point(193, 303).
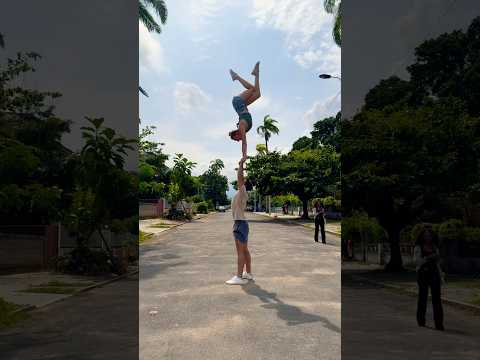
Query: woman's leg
point(437, 304)
point(422, 300)
point(240, 257)
point(248, 261)
point(255, 94)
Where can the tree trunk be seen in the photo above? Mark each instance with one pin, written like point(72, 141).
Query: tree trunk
point(305, 209)
point(266, 144)
point(395, 263)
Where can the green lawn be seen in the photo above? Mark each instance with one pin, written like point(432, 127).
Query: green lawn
point(143, 237)
point(7, 316)
point(161, 226)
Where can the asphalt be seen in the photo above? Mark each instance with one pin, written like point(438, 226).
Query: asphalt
point(378, 323)
point(99, 324)
point(291, 311)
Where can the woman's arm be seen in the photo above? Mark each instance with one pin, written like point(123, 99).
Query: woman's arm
point(240, 177)
point(418, 258)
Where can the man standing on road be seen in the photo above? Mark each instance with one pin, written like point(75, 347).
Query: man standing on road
point(319, 221)
point(240, 230)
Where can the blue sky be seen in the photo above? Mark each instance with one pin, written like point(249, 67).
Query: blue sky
point(185, 71)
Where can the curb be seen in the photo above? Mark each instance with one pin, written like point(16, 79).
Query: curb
point(28, 308)
point(454, 303)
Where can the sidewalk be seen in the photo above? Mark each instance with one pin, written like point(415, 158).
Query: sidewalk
point(157, 225)
point(332, 226)
point(459, 290)
point(38, 289)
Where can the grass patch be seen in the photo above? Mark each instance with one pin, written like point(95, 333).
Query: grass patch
point(143, 236)
point(476, 300)
point(472, 284)
point(161, 226)
point(56, 283)
point(55, 287)
point(8, 317)
point(49, 290)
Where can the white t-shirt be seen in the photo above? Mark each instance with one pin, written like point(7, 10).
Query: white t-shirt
point(239, 203)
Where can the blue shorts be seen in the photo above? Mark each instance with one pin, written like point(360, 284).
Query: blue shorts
point(241, 108)
point(240, 231)
point(239, 105)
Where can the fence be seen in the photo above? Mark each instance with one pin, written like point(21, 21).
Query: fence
point(29, 247)
point(151, 208)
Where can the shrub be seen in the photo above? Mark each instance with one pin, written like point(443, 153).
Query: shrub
point(202, 208)
point(175, 214)
point(84, 261)
point(472, 234)
point(451, 230)
point(360, 226)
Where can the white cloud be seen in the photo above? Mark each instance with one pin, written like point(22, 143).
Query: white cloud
point(190, 97)
point(322, 109)
point(307, 29)
point(151, 53)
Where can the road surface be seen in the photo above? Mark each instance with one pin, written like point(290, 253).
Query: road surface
point(380, 324)
point(291, 311)
point(99, 324)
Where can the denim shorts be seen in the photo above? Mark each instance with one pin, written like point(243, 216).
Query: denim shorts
point(240, 231)
point(239, 105)
point(242, 111)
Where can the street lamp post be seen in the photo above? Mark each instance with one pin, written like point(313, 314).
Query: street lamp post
point(328, 76)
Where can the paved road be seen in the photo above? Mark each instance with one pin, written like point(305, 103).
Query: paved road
point(291, 311)
point(99, 324)
point(380, 324)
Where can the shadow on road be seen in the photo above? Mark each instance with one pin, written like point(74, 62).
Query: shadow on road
point(293, 315)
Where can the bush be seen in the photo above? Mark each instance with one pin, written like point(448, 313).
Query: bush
point(84, 261)
point(472, 234)
point(202, 208)
point(360, 226)
point(196, 199)
point(451, 230)
point(175, 214)
point(211, 205)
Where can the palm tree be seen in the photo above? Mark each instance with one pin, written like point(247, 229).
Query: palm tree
point(332, 8)
point(147, 19)
point(267, 129)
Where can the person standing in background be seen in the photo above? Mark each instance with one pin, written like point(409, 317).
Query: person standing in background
point(320, 221)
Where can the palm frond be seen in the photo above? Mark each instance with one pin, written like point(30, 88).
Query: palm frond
point(147, 19)
point(160, 9)
point(329, 6)
point(337, 27)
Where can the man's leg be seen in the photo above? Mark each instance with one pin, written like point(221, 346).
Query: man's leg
point(240, 257)
point(248, 261)
point(317, 225)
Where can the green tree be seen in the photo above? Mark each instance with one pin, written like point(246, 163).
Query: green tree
point(32, 157)
point(335, 7)
point(303, 143)
point(267, 129)
point(310, 173)
point(327, 132)
point(215, 185)
point(146, 17)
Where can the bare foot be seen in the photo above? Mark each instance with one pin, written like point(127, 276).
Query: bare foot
point(256, 69)
point(233, 74)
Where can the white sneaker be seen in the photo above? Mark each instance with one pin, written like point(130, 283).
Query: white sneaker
point(236, 281)
point(247, 276)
